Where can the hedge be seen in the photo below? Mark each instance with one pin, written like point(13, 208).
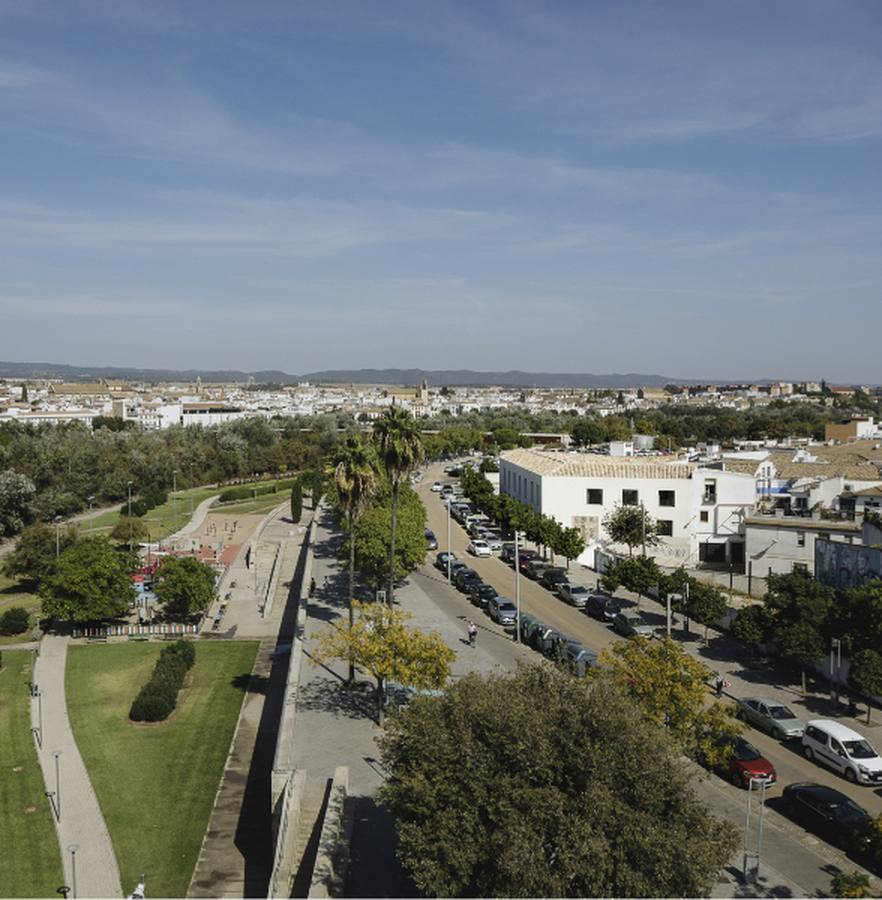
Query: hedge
point(157, 699)
point(15, 621)
point(246, 492)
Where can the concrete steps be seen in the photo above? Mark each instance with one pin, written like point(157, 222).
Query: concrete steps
point(315, 795)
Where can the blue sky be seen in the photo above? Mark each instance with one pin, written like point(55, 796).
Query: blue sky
point(691, 189)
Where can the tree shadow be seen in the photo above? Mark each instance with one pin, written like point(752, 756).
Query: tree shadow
point(330, 695)
point(252, 684)
point(23, 586)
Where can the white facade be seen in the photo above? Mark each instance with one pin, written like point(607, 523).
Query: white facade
point(777, 544)
point(700, 511)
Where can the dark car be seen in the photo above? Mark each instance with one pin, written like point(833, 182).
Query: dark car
point(431, 540)
point(553, 577)
point(464, 577)
point(481, 594)
point(506, 553)
point(829, 814)
point(524, 557)
point(534, 568)
point(441, 560)
point(744, 762)
point(602, 607)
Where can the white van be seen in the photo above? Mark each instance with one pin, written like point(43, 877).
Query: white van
point(843, 749)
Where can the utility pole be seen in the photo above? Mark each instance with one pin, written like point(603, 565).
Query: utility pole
point(643, 526)
point(91, 522)
point(517, 588)
point(174, 500)
point(447, 504)
point(131, 535)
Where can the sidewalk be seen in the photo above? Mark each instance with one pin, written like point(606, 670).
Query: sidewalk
point(81, 821)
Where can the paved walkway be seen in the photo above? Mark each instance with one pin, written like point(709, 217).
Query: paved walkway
point(81, 822)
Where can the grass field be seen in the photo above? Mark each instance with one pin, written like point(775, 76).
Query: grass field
point(259, 506)
point(14, 592)
point(155, 783)
point(31, 862)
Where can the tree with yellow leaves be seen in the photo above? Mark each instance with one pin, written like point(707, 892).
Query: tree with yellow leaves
point(671, 688)
point(381, 644)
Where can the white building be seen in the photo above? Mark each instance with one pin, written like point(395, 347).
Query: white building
point(699, 511)
point(781, 544)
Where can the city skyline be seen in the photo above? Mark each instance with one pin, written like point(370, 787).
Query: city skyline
point(681, 189)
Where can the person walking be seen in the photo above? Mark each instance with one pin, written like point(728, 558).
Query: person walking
point(720, 683)
point(473, 633)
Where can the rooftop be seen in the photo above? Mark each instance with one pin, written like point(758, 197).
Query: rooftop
point(580, 465)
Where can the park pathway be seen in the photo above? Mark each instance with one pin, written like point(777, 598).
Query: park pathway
point(81, 823)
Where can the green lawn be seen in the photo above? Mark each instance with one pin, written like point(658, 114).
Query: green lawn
point(155, 783)
point(31, 863)
point(15, 592)
point(261, 505)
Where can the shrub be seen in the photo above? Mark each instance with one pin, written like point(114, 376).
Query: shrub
point(151, 705)
point(239, 493)
point(15, 621)
point(184, 650)
point(158, 698)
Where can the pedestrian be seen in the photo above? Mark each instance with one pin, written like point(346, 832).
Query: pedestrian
point(473, 633)
point(719, 683)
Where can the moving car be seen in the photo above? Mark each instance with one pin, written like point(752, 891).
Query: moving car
point(479, 548)
point(629, 623)
point(842, 749)
point(574, 594)
point(744, 762)
point(431, 540)
point(502, 611)
point(437, 487)
point(829, 814)
point(770, 716)
point(602, 607)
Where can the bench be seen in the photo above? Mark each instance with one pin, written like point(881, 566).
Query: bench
point(139, 637)
point(97, 639)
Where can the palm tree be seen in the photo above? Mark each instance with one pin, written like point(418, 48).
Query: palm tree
point(400, 447)
point(355, 477)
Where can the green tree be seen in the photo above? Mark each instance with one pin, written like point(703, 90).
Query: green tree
point(866, 675)
point(852, 884)
point(639, 574)
point(706, 606)
point(24, 393)
point(296, 501)
point(503, 787)
point(399, 445)
point(860, 616)
point(355, 480)
point(382, 645)
point(751, 627)
point(801, 642)
point(586, 432)
point(670, 687)
point(316, 481)
point(14, 620)
point(631, 525)
point(373, 538)
point(35, 551)
point(185, 586)
point(89, 582)
point(132, 530)
point(17, 494)
point(570, 544)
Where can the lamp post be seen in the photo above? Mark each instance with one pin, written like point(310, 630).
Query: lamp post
point(175, 499)
point(835, 647)
point(57, 536)
point(447, 504)
point(91, 523)
point(55, 796)
point(39, 729)
point(517, 568)
point(72, 849)
point(131, 536)
point(751, 855)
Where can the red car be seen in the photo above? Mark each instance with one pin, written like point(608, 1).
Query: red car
point(746, 762)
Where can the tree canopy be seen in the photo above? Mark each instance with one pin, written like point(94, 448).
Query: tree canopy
point(89, 582)
point(631, 525)
point(35, 551)
point(524, 786)
point(185, 586)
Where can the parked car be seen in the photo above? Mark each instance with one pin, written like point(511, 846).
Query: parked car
point(534, 568)
point(502, 611)
point(629, 623)
point(579, 659)
point(494, 540)
point(770, 716)
point(574, 594)
point(602, 607)
point(437, 487)
point(479, 548)
point(829, 814)
point(842, 749)
point(524, 556)
point(744, 762)
point(431, 540)
point(455, 566)
point(481, 594)
point(553, 577)
point(441, 561)
point(462, 576)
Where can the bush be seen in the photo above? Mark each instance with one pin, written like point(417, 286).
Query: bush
point(15, 621)
point(158, 698)
point(239, 493)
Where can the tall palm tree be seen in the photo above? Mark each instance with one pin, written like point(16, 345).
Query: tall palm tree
point(355, 477)
point(400, 446)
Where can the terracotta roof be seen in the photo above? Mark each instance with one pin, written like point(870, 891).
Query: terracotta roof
point(595, 466)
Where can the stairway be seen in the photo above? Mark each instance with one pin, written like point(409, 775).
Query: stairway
point(315, 794)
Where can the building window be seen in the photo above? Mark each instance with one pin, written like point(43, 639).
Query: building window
point(704, 516)
point(666, 498)
point(800, 538)
point(629, 498)
point(664, 527)
point(710, 490)
point(595, 496)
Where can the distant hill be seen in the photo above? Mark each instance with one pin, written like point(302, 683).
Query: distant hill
point(436, 378)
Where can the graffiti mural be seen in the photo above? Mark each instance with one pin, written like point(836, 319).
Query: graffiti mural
point(842, 565)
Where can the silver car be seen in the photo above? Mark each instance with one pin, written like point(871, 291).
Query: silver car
point(574, 594)
point(630, 624)
point(770, 716)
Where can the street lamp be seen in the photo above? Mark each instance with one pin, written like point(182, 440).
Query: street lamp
point(447, 504)
point(57, 536)
point(72, 849)
point(175, 499)
point(517, 568)
point(55, 796)
point(751, 855)
point(91, 523)
point(835, 647)
point(38, 731)
point(131, 536)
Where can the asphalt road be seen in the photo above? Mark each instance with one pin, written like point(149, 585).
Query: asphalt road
point(789, 763)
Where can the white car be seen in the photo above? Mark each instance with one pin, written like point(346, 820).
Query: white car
point(436, 487)
point(479, 548)
point(494, 540)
